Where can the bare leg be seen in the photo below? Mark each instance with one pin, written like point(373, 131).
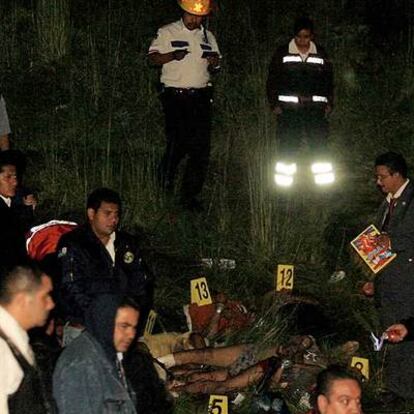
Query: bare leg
point(247, 378)
point(220, 357)
point(219, 375)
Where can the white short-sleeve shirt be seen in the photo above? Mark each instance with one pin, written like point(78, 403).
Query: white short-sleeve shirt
point(192, 71)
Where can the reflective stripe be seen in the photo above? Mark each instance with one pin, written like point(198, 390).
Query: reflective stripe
point(292, 58)
point(286, 169)
point(317, 98)
point(317, 60)
point(288, 98)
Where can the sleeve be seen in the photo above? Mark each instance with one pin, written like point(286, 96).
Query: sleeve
point(329, 76)
point(74, 282)
point(402, 237)
point(160, 43)
point(214, 45)
point(4, 119)
point(273, 77)
point(72, 388)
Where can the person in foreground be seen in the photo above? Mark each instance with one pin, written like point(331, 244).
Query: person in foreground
point(338, 391)
point(89, 377)
point(394, 290)
point(25, 303)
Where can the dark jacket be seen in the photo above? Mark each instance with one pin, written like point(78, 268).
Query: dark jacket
point(289, 75)
point(86, 379)
point(87, 271)
point(394, 285)
point(14, 221)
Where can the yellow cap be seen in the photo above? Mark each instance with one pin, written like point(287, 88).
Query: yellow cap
point(196, 7)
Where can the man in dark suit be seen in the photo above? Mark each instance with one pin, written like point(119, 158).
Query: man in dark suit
point(13, 217)
point(394, 285)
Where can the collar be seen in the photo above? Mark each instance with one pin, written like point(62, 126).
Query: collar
point(15, 333)
point(398, 192)
point(7, 200)
point(293, 49)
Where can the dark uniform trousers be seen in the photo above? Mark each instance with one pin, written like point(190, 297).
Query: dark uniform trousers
point(302, 123)
point(188, 129)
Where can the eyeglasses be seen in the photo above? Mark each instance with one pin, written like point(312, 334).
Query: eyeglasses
point(381, 177)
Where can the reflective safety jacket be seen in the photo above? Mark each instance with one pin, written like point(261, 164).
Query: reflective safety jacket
point(292, 80)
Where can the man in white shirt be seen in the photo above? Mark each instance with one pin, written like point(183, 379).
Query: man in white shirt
point(394, 285)
point(25, 303)
point(188, 54)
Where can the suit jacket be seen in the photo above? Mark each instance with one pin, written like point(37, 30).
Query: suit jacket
point(13, 223)
point(395, 283)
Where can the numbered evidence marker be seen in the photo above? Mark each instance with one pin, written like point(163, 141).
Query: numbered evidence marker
point(149, 326)
point(199, 292)
point(284, 277)
point(361, 364)
point(218, 404)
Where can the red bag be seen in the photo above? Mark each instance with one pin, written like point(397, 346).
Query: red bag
point(43, 239)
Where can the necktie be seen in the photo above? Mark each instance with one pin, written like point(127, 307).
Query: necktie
point(121, 373)
point(390, 210)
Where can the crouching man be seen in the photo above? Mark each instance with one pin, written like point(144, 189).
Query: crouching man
point(89, 375)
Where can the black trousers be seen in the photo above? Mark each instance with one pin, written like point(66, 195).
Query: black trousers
point(188, 129)
point(303, 123)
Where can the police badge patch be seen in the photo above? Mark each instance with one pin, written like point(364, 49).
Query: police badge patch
point(129, 257)
point(62, 252)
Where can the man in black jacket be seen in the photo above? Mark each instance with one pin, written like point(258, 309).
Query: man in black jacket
point(394, 287)
point(15, 217)
point(97, 259)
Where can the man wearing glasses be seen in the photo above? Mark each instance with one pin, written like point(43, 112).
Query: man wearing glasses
point(394, 285)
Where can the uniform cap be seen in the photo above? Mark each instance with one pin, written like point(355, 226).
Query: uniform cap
point(196, 7)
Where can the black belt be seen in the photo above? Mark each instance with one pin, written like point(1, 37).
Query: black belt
point(187, 91)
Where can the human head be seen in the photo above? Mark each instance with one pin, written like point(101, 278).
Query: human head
point(390, 171)
point(196, 7)
point(112, 320)
point(303, 32)
point(25, 292)
point(194, 12)
point(338, 391)
point(8, 174)
point(103, 210)
point(126, 322)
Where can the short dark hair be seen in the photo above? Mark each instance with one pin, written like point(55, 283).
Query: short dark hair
point(128, 302)
point(13, 157)
point(394, 161)
point(21, 278)
point(96, 197)
point(329, 375)
point(301, 23)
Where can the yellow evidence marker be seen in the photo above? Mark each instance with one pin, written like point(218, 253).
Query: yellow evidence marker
point(218, 404)
point(199, 292)
point(284, 277)
point(361, 364)
point(149, 326)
